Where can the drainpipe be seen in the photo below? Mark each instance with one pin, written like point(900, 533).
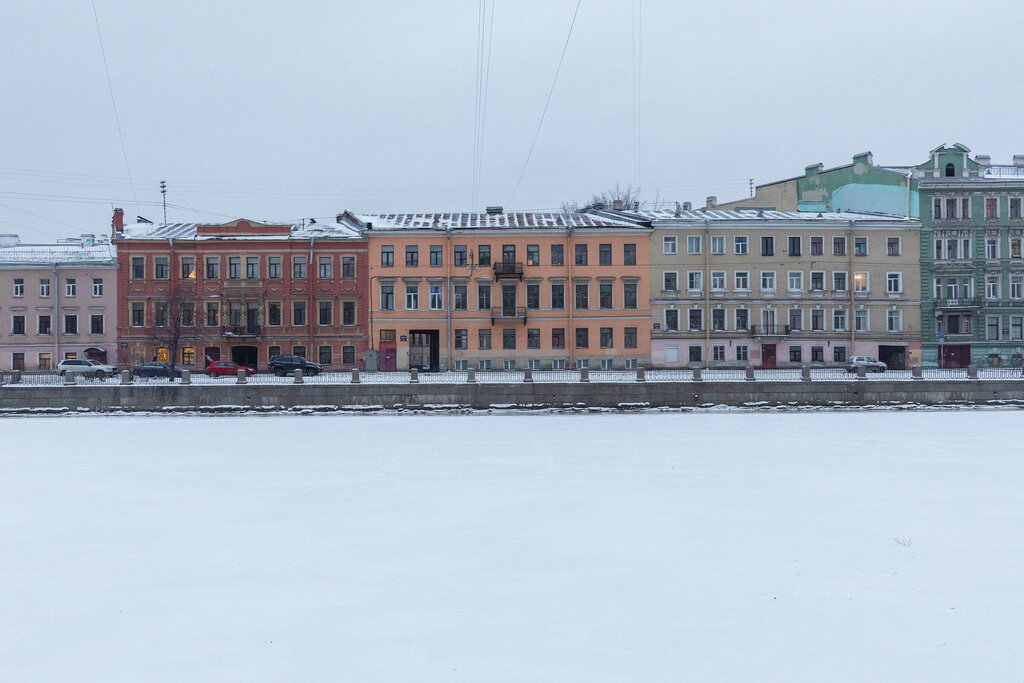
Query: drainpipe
point(707, 290)
point(310, 311)
point(451, 292)
point(909, 176)
point(852, 284)
point(55, 321)
point(570, 294)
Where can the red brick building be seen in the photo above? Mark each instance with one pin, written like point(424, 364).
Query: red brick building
point(241, 291)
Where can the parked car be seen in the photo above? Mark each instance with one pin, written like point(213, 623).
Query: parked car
point(282, 365)
point(867, 362)
point(156, 369)
point(90, 368)
point(227, 368)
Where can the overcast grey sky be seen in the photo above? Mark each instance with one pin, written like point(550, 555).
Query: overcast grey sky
point(295, 109)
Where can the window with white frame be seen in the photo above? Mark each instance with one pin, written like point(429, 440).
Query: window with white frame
point(991, 208)
point(796, 280)
point(839, 319)
point(740, 244)
point(860, 320)
point(742, 352)
point(742, 280)
point(19, 286)
point(992, 286)
point(718, 352)
point(97, 286)
point(1015, 206)
point(693, 244)
point(436, 297)
point(1016, 327)
point(70, 286)
point(694, 281)
point(44, 287)
point(860, 282)
point(894, 283)
point(1016, 286)
point(668, 244)
point(794, 244)
point(952, 248)
point(670, 281)
point(671, 320)
point(992, 248)
point(894, 320)
point(817, 320)
point(892, 246)
point(817, 280)
point(768, 280)
point(796, 319)
point(742, 316)
point(817, 245)
point(860, 246)
point(1015, 247)
point(718, 319)
point(718, 280)
point(412, 297)
point(718, 244)
point(839, 281)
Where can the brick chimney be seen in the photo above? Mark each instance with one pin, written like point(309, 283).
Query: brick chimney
point(711, 202)
point(118, 222)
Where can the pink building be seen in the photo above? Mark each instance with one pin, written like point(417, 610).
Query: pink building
point(57, 301)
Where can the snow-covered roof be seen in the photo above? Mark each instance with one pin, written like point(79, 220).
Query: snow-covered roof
point(1000, 172)
point(65, 252)
point(487, 221)
point(190, 231)
point(753, 215)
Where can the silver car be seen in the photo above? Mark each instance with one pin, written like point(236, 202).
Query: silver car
point(867, 362)
point(89, 368)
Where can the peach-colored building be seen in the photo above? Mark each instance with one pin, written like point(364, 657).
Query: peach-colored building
point(507, 291)
point(57, 301)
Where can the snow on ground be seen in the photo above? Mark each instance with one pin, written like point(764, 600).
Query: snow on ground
point(657, 547)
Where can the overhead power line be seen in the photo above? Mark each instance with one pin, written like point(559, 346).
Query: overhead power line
point(113, 102)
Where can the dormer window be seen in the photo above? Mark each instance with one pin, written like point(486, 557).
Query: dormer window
point(950, 170)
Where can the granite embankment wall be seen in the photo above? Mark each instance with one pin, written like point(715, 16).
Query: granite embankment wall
point(162, 397)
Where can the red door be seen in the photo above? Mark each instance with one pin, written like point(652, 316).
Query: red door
point(768, 355)
point(388, 360)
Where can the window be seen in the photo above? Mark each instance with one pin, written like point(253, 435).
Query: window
point(795, 354)
point(742, 352)
point(19, 286)
point(212, 268)
point(817, 354)
point(742, 319)
point(484, 364)
point(558, 338)
point(1016, 327)
point(557, 296)
point(161, 268)
point(234, 267)
point(1015, 207)
point(892, 246)
point(274, 314)
point(533, 296)
point(582, 363)
point(894, 320)
point(138, 314)
point(817, 280)
point(483, 341)
point(299, 351)
point(387, 297)
point(794, 246)
point(508, 253)
point(991, 248)
point(96, 324)
point(965, 207)
point(483, 297)
point(533, 339)
point(936, 209)
point(768, 280)
point(138, 268)
point(695, 354)
point(693, 244)
point(348, 267)
point(629, 254)
point(860, 282)
point(1015, 247)
point(234, 314)
point(672, 320)
point(695, 320)
point(412, 297)
point(436, 297)
point(718, 280)
point(839, 281)
point(324, 268)
point(387, 255)
point(212, 314)
point(557, 255)
point(325, 355)
point(767, 246)
point(839, 246)
point(991, 207)
point(188, 267)
point(670, 280)
point(326, 309)
point(604, 295)
point(742, 280)
point(694, 281)
point(70, 324)
point(582, 338)
point(817, 320)
point(860, 246)
point(43, 324)
point(188, 315)
point(581, 254)
point(894, 283)
point(718, 244)
point(629, 295)
point(412, 255)
point(796, 280)
point(606, 337)
point(436, 255)
point(582, 296)
point(1016, 286)
point(668, 244)
point(992, 328)
point(718, 319)
point(45, 361)
point(817, 246)
point(951, 209)
point(462, 298)
point(70, 287)
point(839, 319)
point(274, 267)
point(860, 321)
point(348, 313)
point(629, 336)
point(460, 255)
point(950, 170)
point(992, 286)
point(298, 313)
point(461, 339)
point(44, 287)
point(604, 254)
point(740, 244)
point(607, 363)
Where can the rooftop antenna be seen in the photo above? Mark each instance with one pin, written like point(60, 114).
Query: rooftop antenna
point(163, 191)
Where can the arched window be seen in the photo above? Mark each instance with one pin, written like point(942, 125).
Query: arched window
point(950, 171)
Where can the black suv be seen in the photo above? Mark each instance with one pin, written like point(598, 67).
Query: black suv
point(282, 365)
point(156, 369)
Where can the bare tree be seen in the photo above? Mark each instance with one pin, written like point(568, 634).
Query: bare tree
point(174, 322)
point(609, 199)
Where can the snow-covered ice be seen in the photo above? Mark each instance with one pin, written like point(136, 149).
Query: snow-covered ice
point(882, 546)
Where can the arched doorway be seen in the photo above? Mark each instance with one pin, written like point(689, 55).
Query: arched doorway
point(98, 355)
point(245, 355)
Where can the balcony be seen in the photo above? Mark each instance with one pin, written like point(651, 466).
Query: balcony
point(245, 330)
point(508, 269)
point(961, 303)
point(508, 314)
point(247, 284)
point(769, 330)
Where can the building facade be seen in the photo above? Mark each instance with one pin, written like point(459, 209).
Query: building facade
point(57, 301)
point(241, 291)
point(781, 289)
point(507, 291)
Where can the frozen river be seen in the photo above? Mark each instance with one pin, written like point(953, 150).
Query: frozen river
point(727, 547)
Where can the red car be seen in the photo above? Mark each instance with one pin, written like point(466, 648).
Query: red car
point(227, 368)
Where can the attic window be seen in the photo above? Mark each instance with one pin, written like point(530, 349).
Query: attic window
point(950, 170)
